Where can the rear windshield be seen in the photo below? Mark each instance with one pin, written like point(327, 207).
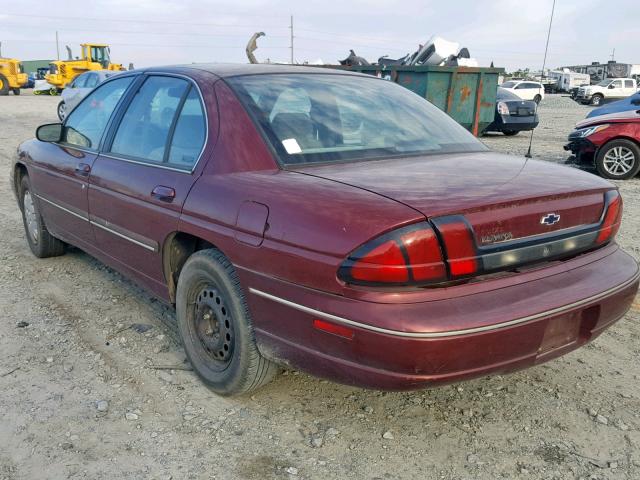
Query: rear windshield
point(317, 118)
point(506, 95)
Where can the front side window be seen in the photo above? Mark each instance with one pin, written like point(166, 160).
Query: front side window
point(617, 84)
point(80, 81)
point(85, 126)
point(92, 80)
point(316, 118)
point(144, 130)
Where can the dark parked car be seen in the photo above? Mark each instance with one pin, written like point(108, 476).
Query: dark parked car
point(609, 142)
point(333, 221)
point(513, 114)
point(630, 103)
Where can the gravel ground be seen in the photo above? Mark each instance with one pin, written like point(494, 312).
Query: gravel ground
point(82, 396)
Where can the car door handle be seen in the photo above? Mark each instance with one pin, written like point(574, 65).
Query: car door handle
point(83, 169)
point(164, 194)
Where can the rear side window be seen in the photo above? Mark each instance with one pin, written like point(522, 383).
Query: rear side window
point(628, 83)
point(147, 122)
point(189, 134)
point(85, 126)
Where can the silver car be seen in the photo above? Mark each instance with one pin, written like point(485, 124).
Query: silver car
point(79, 88)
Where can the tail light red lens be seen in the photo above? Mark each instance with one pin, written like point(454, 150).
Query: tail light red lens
point(408, 256)
point(459, 245)
point(612, 217)
point(384, 263)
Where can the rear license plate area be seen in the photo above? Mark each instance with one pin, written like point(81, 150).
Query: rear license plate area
point(523, 112)
point(560, 332)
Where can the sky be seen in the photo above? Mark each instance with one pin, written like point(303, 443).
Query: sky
point(511, 33)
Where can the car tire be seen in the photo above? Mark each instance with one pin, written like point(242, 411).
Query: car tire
point(16, 91)
point(510, 133)
point(537, 98)
point(4, 85)
point(62, 110)
point(596, 99)
point(216, 328)
point(618, 160)
point(41, 242)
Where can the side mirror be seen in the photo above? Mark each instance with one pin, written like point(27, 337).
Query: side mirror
point(635, 101)
point(612, 86)
point(50, 132)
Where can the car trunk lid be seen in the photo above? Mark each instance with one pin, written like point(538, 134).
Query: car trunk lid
point(502, 198)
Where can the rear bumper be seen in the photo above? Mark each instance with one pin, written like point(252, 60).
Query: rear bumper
point(513, 123)
point(463, 332)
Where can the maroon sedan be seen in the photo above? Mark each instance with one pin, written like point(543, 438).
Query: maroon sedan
point(609, 142)
point(332, 221)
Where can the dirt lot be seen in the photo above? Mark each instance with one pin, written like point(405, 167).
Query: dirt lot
point(80, 397)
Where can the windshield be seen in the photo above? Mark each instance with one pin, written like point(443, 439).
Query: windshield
point(605, 83)
point(509, 84)
point(317, 118)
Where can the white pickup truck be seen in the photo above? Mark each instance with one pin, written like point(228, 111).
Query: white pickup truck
point(609, 88)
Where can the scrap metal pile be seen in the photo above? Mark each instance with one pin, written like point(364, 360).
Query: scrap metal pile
point(436, 52)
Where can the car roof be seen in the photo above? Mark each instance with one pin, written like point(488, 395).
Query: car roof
point(226, 70)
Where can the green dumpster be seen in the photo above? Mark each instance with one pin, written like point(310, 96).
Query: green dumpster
point(467, 94)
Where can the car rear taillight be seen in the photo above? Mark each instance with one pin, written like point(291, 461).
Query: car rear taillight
point(612, 217)
point(458, 244)
point(408, 256)
point(445, 250)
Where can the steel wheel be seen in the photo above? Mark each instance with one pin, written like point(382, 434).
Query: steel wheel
point(211, 326)
point(216, 328)
point(619, 161)
point(31, 217)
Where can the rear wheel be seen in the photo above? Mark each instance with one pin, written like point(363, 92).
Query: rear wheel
point(510, 133)
point(618, 160)
point(596, 99)
point(537, 98)
point(41, 242)
point(62, 110)
point(4, 85)
point(216, 328)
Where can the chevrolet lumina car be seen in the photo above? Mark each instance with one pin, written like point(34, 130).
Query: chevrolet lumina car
point(330, 221)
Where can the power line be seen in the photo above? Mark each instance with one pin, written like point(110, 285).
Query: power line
point(128, 32)
point(131, 20)
point(155, 45)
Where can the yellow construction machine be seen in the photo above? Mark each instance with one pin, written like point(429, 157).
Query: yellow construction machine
point(94, 57)
point(11, 75)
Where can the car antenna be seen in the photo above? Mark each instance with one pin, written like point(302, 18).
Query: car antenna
point(544, 63)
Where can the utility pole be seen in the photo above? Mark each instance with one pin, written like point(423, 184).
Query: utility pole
point(291, 41)
point(57, 45)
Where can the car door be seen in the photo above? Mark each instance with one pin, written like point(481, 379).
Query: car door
point(141, 180)
point(616, 89)
point(60, 171)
